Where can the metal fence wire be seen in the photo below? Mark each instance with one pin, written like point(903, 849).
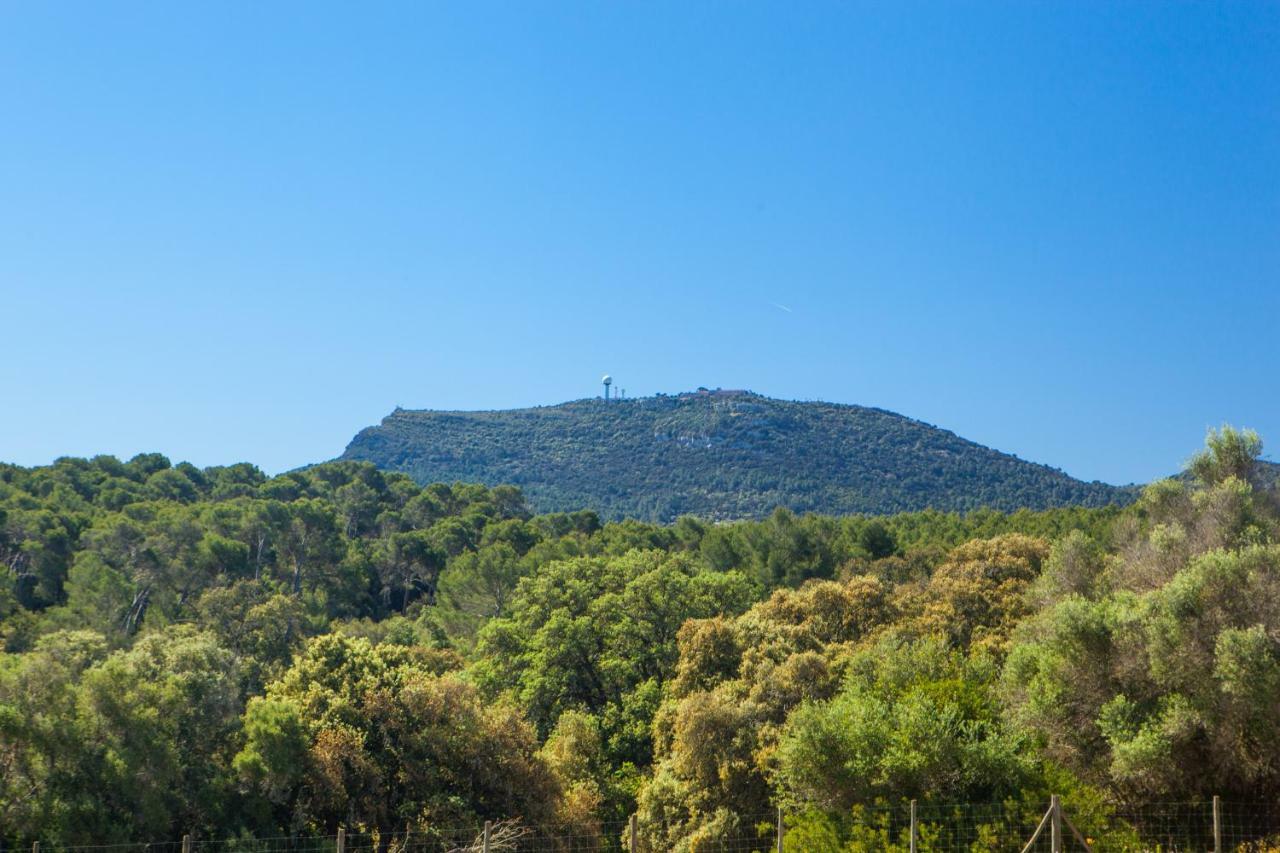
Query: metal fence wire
point(1197, 827)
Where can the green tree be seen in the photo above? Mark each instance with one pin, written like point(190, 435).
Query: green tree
point(479, 585)
point(1155, 674)
point(150, 726)
point(1228, 452)
point(912, 719)
point(876, 540)
point(599, 635)
point(378, 738)
point(409, 566)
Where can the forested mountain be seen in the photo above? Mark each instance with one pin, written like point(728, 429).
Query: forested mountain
point(718, 455)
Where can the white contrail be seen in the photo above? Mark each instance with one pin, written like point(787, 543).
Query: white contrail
point(783, 307)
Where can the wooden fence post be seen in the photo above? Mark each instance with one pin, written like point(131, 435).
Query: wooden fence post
point(915, 833)
point(1217, 824)
point(633, 845)
point(342, 839)
point(1055, 824)
point(35, 847)
point(186, 844)
point(1044, 821)
point(781, 830)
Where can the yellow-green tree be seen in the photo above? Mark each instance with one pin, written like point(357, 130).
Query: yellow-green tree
point(381, 738)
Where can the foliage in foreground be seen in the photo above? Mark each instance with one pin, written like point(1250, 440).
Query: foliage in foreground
point(215, 652)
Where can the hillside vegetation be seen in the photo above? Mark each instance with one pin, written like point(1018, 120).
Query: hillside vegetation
point(718, 455)
point(214, 652)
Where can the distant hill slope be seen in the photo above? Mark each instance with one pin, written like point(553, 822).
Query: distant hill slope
point(717, 454)
point(1269, 475)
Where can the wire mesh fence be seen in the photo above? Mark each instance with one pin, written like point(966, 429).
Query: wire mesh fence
point(925, 827)
point(1250, 827)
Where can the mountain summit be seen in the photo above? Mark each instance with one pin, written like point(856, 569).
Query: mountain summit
point(717, 454)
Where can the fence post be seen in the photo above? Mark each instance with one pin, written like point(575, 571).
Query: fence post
point(1055, 824)
point(1217, 824)
point(781, 830)
point(342, 839)
point(914, 830)
point(633, 846)
point(35, 847)
point(186, 844)
point(488, 828)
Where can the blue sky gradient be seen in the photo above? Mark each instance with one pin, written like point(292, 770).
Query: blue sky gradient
point(245, 231)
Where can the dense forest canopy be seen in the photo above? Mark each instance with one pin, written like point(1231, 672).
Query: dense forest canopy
point(212, 651)
point(719, 455)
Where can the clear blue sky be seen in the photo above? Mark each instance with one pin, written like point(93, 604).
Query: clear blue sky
point(246, 230)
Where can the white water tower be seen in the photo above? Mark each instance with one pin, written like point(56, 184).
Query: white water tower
point(607, 380)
